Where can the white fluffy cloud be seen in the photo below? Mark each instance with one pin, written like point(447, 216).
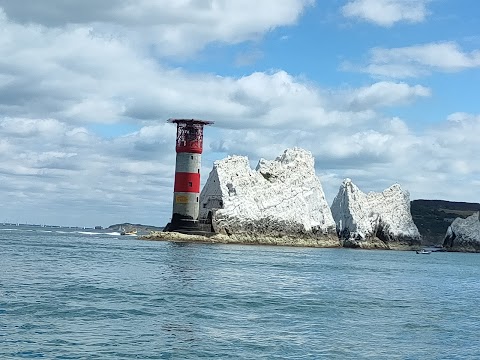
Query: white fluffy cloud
point(178, 27)
point(80, 78)
point(387, 12)
point(52, 171)
point(384, 94)
point(417, 60)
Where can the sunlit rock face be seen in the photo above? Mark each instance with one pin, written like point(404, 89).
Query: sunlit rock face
point(280, 199)
point(374, 220)
point(464, 234)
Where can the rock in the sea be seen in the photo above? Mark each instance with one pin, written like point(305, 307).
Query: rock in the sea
point(464, 234)
point(374, 220)
point(280, 199)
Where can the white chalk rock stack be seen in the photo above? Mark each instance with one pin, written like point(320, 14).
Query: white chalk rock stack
point(281, 199)
point(374, 220)
point(464, 234)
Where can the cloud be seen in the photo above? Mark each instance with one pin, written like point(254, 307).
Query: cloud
point(387, 12)
point(383, 94)
point(179, 27)
point(30, 127)
point(69, 171)
point(418, 60)
point(348, 147)
point(79, 77)
point(456, 132)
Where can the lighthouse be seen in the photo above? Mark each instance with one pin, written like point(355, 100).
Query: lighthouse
point(186, 190)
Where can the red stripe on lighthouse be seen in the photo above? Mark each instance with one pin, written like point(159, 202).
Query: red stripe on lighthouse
point(187, 182)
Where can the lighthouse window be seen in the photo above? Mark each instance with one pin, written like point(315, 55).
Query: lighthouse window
point(190, 184)
point(191, 157)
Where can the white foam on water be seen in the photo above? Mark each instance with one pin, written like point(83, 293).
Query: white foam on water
point(114, 233)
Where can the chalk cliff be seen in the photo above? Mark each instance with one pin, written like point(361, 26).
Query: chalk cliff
point(374, 220)
point(281, 201)
point(464, 234)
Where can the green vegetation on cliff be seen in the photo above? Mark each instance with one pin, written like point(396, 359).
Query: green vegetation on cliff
point(433, 217)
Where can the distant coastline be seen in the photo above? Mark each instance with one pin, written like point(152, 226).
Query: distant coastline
point(140, 228)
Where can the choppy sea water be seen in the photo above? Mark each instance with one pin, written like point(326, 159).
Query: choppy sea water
point(67, 294)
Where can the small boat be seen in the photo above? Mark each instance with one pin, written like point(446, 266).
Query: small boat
point(423, 251)
point(131, 232)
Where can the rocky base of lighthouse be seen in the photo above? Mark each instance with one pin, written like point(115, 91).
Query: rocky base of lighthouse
point(327, 241)
point(182, 224)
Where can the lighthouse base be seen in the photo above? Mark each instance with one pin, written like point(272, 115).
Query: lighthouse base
point(186, 225)
point(181, 222)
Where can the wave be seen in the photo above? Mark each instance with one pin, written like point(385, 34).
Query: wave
point(97, 233)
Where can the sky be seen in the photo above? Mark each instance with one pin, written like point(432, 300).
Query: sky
point(380, 91)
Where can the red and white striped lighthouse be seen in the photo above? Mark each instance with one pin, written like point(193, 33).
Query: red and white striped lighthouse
point(186, 193)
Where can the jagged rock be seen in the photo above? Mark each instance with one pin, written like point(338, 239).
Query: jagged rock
point(374, 220)
point(464, 234)
point(282, 198)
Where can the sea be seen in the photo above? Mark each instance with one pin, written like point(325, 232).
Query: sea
point(91, 294)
